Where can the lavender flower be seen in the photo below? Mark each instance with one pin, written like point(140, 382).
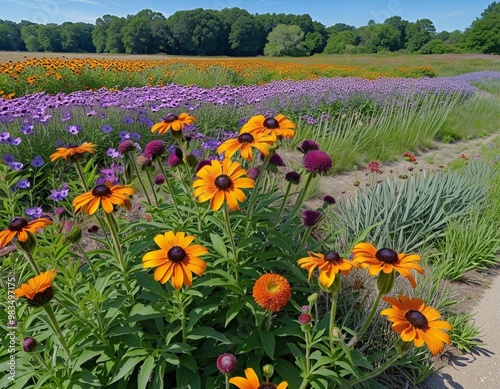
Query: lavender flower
point(23, 183)
point(28, 129)
point(34, 213)
point(15, 165)
point(59, 194)
point(106, 128)
point(37, 161)
point(113, 153)
point(128, 120)
point(74, 130)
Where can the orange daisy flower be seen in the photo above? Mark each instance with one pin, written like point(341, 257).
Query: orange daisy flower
point(272, 292)
point(244, 143)
point(72, 152)
point(277, 127)
point(418, 323)
point(21, 227)
point(386, 260)
point(173, 122)
point(251, 381)
point(38, 290)
point(106, 195)
point(176, 260)
point(328, 265)
point(219, 182)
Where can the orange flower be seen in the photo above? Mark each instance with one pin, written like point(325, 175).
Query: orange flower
point(244, 143)
point(218, 182)
point(329, 265)
point(21, 227)
point(386, 260)
point(176, 260)
point(277, 127)
point(272, 292)
point(173, 122)
point(418, 323)
point(251, 381)
point(38, 290)
point(72, 152)
point(107, 195)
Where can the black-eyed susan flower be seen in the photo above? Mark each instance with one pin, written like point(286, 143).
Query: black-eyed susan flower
point(106, 195)
point(386, 260)
point(251, 381)
point(219, 182)
point(21, 228)
point(272, 292)
point(244, 142)
point(39, 290)
point(173, 122)
point(417, 323)
point(278, 126)
point(329, 265)
point(72, 152)
point(176, 260)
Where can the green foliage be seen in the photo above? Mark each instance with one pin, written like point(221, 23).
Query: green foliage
point(464, 335)
point(437, 46)
point(484, 33)
point(285, 40)
point(338, 42)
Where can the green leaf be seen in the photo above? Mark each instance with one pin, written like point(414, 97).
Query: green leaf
point(145, 372)
point(188, 361)
point(268, 343)
point(233, 311)
point(148, 282)
point(126, 366)
point(207, 332)
point(142, 312)
point(219, 245)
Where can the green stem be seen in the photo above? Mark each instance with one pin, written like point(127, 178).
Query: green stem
point(253, 196)
point(178, 294)
point(42, 362)
point(187, 190)
point(233, 243)
point(87, 259)
point(56, 328)
point(368, 320)
point(302, 195)
point(139, 178)
point(118, 249)
point(377, 371)
point(282, 207)
point(31, 261)
point(306, 235)
point(307, 372)
point(333, 310)
point(170, 190)
point(227, 381)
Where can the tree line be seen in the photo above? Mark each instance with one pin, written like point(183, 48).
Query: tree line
point(236, 32)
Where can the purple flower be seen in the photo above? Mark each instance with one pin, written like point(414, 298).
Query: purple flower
point(173, 160)
point(23, 183)
point(227, 363)
point(4, 137)
point(9, 158)
point(202, 163)
point(91, 113)
point(28, 129)
point(37, 161)
point(329, 199)
point(124, 135)
point(126, 146)
point(135, 136)
point(74, 130)
point(106, 128)
point(317, 161)
point(34, 213)
point(60, 211)
point(15, 165)
point(154, 149)
point(307, 145)
point(59, 194)
point(293, 177)
point(29, 344)
point(108, 175)
point(276, 160)
point(310, 218)
point(159, 179)
point(211, 144)
point(15, 141)
point(128, 120)
point(253, 172)
point(113, 153)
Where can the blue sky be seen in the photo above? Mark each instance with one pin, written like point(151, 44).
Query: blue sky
point(446, 14)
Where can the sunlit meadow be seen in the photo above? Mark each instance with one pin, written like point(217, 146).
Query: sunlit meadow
point(156, 235)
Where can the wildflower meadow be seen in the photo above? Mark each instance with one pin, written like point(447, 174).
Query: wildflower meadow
point(163, 235)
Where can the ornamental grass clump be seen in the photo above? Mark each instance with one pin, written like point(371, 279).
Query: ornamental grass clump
point(200, 269)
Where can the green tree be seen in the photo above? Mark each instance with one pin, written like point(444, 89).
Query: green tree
point(114, 35)
point(339, 27)
point(49, 36)
point(338, 42)
point(247, 37)
point(314, 42)
point(285, 40)
point(137, 35)
point(385, 37)
point(418, 34)
point(29, 35)
point(400, 24)
point(484, 33)
point(99, 33)
point(77, 37)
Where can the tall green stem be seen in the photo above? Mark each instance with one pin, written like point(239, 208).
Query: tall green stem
point(139, 178)
point(229, 231)
point(377, 371)
point(31, 261)
point(307, 359)
point(180, 300)
point(333, 310)
point(170, 190)
point(87, 259)
point(254, 194)
point(55, 327)
point(302, 195)
point(368, 320)
point(282, 207)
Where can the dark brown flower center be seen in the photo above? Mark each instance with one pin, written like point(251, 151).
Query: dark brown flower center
point(333, 257)
point(417, 319)
point(41, 298)
point(223, 182)
point(72, 146)
point(245, 138)
point(267, 385)
point(170, 118)
point(176, 254)
point(387, 255)
point(271, 123)
point(101, 191)
point(17, 224)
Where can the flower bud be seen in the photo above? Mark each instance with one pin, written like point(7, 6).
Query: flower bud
point(29, 344)
point(293, 177)
point(305, 318)
point(226, 363)
point(268, 371)
point(312, 298)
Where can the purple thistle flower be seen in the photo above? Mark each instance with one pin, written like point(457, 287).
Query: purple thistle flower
point(106, 128)
point(253, 173)
point(310, 218)
point(126, 146)
point(74, 130)
point(173, 160)
point(154, 149)
point(202, 163)
point(318, 162)
point(293, 177)
point(276, 160)
point(159, 179)
point(329, 199)
point(227, 363)
point(23, 183)
point(307, 145)
point(37, 161)
point(34, 213)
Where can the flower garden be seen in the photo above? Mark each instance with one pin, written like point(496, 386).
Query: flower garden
point(162, 235)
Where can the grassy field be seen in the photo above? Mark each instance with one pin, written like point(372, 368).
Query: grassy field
point(444, 64)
